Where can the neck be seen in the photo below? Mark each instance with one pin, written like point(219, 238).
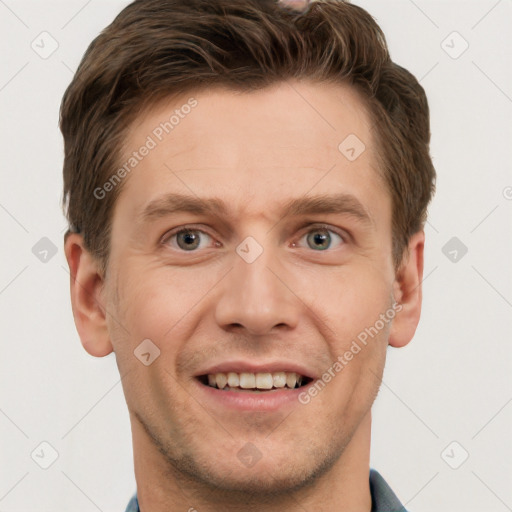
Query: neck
point(344, 487)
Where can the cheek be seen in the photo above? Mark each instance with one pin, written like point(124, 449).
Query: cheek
point(162, 305)
point(153, 305)
point(349, 301)
point(154, 302)
point(347, 312)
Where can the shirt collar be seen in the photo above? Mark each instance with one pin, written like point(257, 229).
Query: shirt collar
point(383, 498)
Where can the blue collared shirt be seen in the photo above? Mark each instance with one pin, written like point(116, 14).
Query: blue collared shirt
point(383, 498)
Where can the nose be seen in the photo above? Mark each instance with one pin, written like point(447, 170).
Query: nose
point(258, 297)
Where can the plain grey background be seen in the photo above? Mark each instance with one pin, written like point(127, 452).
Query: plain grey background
point(442, 420)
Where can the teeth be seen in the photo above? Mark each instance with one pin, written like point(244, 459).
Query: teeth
point(255, 380)
point(279, 379)
point(264, 381)
point(247, 380)
point(291, 379)
point(233, 380)
point(221, 380)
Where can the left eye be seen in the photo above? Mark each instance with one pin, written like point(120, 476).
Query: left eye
point(188, 239)
point(321, 239)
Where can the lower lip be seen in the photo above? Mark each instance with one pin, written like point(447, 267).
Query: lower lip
point(250, 401)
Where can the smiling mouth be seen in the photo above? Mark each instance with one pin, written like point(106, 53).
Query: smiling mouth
point(254, 382)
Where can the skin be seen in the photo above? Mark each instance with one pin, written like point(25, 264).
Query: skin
point(254, 151)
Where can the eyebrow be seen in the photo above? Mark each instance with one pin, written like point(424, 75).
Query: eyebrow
point(341, 204)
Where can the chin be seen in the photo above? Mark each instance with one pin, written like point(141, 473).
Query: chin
point(271, 477)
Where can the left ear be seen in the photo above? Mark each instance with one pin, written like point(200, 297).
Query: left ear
point(408, 293)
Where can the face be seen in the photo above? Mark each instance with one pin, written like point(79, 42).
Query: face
point(250, 249)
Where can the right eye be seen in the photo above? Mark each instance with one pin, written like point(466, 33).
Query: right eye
point(187, 239)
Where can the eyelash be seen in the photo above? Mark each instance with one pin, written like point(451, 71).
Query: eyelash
point(315, 227)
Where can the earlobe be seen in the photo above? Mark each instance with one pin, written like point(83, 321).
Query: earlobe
point(86, 285)
point(408, 293)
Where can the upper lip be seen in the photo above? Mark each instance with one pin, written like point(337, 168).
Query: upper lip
point(239, 366)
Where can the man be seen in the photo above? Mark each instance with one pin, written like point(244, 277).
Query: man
point(246, 184)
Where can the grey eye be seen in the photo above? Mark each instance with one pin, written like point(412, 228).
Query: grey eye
point(188, 240)
point(321, 239)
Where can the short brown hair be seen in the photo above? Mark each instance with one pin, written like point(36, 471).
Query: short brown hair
point(158, 48)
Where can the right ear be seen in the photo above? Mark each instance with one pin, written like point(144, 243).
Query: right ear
point(86, 297)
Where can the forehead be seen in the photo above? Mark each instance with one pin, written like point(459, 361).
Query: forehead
point(254, 149)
